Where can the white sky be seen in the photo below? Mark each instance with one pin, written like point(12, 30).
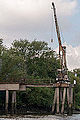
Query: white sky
point(31, 19)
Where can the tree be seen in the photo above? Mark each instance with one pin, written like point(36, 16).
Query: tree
point(35, 60)
point(76, 87)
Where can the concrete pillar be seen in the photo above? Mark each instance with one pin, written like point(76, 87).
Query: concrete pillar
point(57, 100)
point(61, 95)
point(13, 102)
point(72, 96)
point(54, 102)
point(70, 100)
point(63, 101)
point(68, 96)
point(7, 99)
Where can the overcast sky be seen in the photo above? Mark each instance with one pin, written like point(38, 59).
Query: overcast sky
point(32, 19)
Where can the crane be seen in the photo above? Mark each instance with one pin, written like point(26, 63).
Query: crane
point(62, 72)
point(61, 91)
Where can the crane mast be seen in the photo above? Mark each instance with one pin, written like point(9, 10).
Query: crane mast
point(62, 73)
point(63, 88)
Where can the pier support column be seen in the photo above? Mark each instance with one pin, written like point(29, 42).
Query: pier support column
point(68, 96)
point(14, 102)
point(63, 101)
point(54, 102)
point(72, 96)
point(7, 99)
point(57, 100)
point(70, 100)
point(61, 95)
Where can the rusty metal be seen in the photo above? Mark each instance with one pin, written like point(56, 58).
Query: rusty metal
point(62, 75)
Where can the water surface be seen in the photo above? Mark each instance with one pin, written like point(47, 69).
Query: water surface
point(45, 117)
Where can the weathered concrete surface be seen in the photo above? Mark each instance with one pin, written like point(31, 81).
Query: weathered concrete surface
point(7, 100)
point(9, 86)
point(13, 102)
point(22, 87)
point(52, 85)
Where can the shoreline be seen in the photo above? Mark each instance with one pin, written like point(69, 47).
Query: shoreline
point(37, 115)
point(32, 114)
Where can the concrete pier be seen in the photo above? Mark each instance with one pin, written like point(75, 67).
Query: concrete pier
point(59, 101)
point(14, 87)
point(13, 102)
point(7, 99)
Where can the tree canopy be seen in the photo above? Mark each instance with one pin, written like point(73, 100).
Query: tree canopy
point(26, 59)
point(33, 60)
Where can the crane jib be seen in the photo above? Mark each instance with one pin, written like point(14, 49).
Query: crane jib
point(57, 29)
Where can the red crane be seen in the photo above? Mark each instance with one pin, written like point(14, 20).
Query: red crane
point(62, 76)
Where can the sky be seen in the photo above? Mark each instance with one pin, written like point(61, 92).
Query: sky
point(32, 19)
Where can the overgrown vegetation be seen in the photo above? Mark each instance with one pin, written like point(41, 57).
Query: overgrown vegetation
point(28, 61)
point(76, 96)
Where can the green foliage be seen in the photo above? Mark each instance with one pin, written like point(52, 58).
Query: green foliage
point(76, 87)
point(38, 97)
point(30, 60)
point(34, 59)
point(12, 66)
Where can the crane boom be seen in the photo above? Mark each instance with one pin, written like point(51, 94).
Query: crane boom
point(57, 29)
point(62, 56)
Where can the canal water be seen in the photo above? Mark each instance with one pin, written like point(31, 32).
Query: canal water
point(46, 117)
